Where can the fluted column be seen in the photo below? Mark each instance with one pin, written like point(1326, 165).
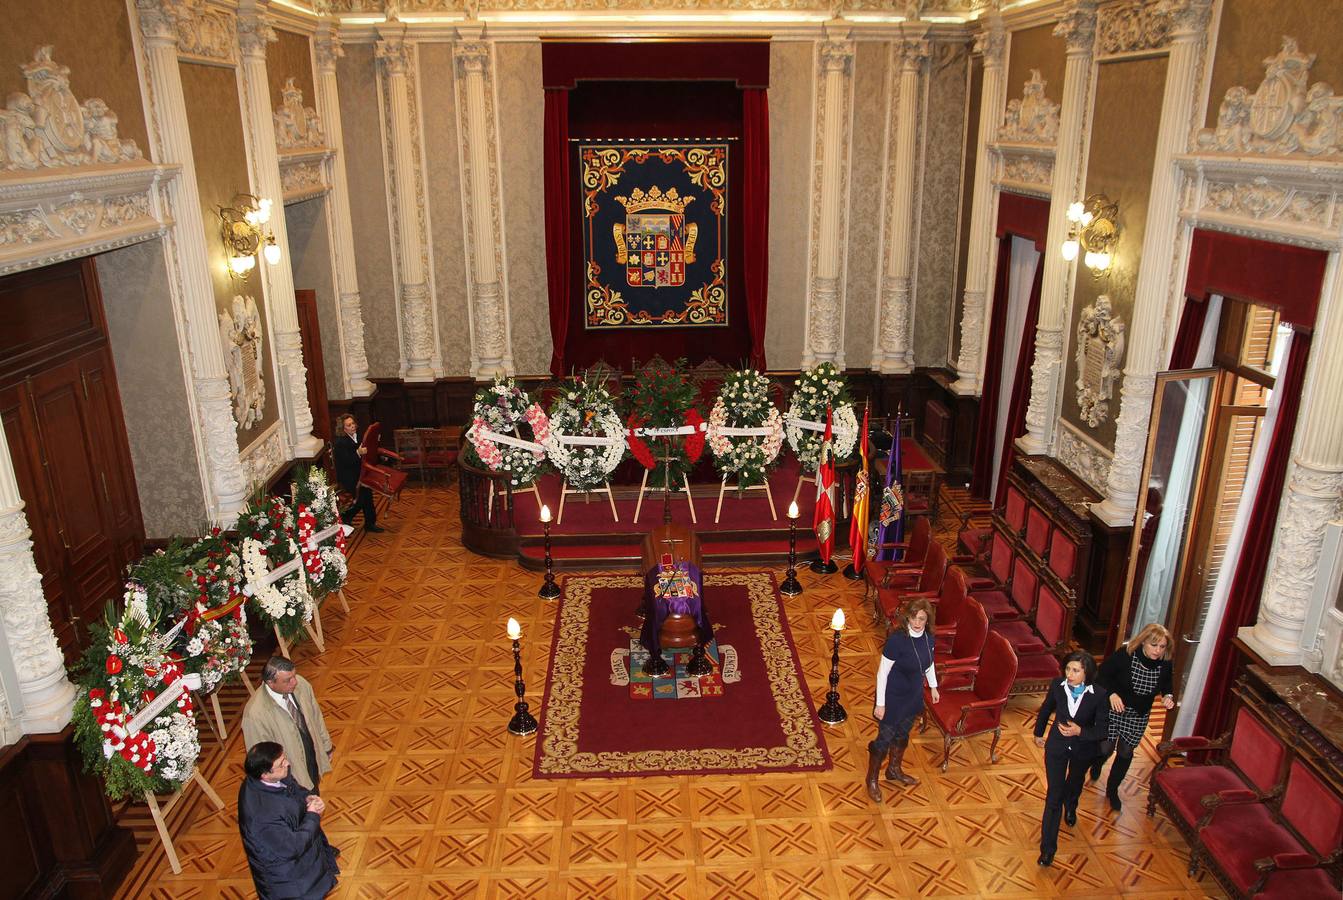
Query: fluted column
point(490, 345)
point(969, 363)
point(349, 312)
point(226, 485)
point(1152, 295)
point(46, 696)
point(894, 352)
point(1077, 27)
point(254, 33)
point(1314, 496)
point(418, 338)
point(825, 300)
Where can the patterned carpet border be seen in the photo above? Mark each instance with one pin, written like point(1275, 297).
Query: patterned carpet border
point(557, 752)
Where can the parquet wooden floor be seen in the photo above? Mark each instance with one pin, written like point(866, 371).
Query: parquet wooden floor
point(431, 797)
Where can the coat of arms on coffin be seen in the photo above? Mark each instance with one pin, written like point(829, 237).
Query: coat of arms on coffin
point(655, 242)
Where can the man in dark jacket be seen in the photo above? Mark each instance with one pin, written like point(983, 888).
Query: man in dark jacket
point(349, 460)
point(281, 830)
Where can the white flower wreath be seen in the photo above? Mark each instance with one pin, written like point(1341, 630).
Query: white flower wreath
point(748, 457)
point(283, 601)
point(817, 389)
point(584, 465)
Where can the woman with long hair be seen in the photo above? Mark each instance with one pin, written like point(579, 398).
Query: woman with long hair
point(1081, 722)
point(1134, 675)
point(906, 663)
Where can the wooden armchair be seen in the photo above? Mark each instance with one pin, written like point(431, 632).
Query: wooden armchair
point(877, 573)
point(440, 449)
point(960, 714)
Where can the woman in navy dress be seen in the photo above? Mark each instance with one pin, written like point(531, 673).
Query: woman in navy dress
point(1081, 714)
point(906, 663)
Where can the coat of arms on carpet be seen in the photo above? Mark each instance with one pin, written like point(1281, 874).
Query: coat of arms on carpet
point(627, 669)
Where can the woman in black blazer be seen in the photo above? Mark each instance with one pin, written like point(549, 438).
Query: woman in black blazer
point(1081, 721)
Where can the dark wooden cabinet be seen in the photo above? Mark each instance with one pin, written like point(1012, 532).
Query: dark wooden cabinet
point(67, 437)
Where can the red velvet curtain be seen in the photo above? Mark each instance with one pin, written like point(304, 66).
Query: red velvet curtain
point(1248, 583)
point(558, 226)
point(1190, 333)
point(1278, 275)
point(755, 197)
point(1021, 386)
point(981, 474)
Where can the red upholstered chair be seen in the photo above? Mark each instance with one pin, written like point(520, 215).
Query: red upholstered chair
point(1014, 510)
point(440, 450)
point(950, 586)
point(949, 606)
point(1038, 527)
point(1014, 599)
point(1040, 639)
point(1062, 559)
point(1251, 760)
point(877, 572)
point(1257, 853)
point(960, 714)
point(926, 580)
point(972, 630)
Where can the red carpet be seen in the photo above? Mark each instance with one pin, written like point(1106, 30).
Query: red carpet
point(590, 727)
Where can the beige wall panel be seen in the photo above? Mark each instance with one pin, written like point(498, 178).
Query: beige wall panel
point(971, 151)
point(310, 249)
point(1123, 152)
point(93, 38)
point(866, 184)
point(289, 57)
point(220, 155)
point(443, 179)
point(1035, 48)
point(790, 138)
point(1252, 31)
point(941, 195)
point(134, 284)
point(521, 127)
point(364, 167)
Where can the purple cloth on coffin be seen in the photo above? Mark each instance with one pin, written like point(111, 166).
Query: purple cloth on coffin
point(656, 610)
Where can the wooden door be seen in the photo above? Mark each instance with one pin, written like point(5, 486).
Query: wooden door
point(66, 433)
point(311, 333)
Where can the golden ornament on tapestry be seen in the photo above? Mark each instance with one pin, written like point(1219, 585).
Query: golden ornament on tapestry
point(243, 228)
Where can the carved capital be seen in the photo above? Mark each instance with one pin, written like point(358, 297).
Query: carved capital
point(471, 58)
point(254, 33)
point(157, 23)
point(913, 53)
point(1187, 17)
point(991, 43)
point(1077, 26)
point(395, 55)
point(837, 56)
point(328, 48)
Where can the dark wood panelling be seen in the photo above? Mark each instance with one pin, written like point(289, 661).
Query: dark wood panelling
point(61, 839)
point(1097, 622)
point(951, 436)
point(310, 333)
point(67, 437)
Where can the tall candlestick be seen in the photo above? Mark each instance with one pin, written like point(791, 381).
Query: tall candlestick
point(791, 587)
point(523, 722)
point(832, 713)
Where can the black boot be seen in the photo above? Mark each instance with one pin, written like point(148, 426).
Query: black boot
point(874, 758)
point(894, 772)
point(1118, 769)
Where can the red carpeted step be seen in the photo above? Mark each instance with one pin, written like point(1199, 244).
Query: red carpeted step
point(582, 551)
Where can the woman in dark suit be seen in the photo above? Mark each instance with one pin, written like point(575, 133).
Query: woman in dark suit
point(906, 664)
point(1081, 721)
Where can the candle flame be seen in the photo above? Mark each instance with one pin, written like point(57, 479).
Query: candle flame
point(837, 620)
point(514, 629)
point(545, 513)
point(792, 510)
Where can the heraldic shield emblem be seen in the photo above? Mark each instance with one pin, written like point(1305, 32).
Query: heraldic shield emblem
point(654, 233)
point(657, 243)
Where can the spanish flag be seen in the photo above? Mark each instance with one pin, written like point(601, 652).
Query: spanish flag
point(823, 520)
point(862, 498)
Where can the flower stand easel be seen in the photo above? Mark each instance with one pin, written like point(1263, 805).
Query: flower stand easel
point(216, 720)
point(644, 484)
point(565, 491)
point(722, 489)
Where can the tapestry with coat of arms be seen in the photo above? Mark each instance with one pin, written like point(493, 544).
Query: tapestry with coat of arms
point(654, 233)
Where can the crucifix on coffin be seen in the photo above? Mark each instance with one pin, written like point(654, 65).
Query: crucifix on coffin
point(673, 610)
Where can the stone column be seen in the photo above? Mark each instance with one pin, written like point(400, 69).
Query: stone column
point(1077, 27)
point(46, 696)
point(1152, 294)
point(226, 486)
point(894, 353)
point(825, 301)
point(490, 345)
point(1314, 496)
point(418, 338)
point(974, 305)
point(350, 315)
point(254, 33)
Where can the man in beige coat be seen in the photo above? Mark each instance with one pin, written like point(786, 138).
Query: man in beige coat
point(285, 711)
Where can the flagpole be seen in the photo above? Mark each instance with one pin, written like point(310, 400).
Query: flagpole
point(862, 494)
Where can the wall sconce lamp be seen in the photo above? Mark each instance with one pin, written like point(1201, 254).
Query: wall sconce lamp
point(243, 229)
point(1093, 230)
